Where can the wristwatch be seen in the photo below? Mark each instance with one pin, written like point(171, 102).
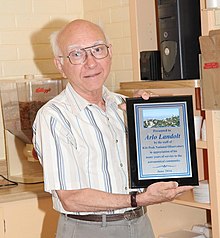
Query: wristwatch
point(133, 200)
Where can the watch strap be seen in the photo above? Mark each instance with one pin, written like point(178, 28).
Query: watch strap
point(133, 200)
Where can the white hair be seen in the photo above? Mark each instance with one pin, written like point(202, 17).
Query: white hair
point(54, 44)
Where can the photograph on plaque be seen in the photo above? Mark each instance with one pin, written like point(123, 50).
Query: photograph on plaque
point(161, 140)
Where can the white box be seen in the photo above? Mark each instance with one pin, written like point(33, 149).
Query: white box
point(182, 234)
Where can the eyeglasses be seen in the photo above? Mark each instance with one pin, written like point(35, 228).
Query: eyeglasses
point(79, 56)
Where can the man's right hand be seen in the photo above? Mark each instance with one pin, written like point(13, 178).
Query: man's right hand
point(161, 192)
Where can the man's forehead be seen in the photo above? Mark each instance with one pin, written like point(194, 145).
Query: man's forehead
point(80, 46)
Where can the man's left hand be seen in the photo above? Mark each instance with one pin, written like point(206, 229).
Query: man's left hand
point(138, 93)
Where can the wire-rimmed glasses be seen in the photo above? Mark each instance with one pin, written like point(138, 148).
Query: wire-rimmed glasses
point(79, 56)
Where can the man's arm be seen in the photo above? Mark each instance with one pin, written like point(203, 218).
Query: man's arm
point(91, 200)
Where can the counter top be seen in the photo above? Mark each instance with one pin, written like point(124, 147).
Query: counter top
point(21, 192)
point(160, 84)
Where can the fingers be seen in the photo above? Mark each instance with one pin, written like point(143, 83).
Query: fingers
point(170, 185)
point(179, 190)
point(175, 185)
point(145, 96)
point(164, 192)
point(142, 93)
point(182, 189)
point(164, 185)
point(122, 106)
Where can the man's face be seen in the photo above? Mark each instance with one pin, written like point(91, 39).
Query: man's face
point(90, 75)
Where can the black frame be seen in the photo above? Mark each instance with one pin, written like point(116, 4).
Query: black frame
point(169, 140)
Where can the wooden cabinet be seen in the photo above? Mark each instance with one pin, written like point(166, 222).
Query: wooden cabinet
point(213, 139)
point(28, 218)
point(25, 213)
point(184, 212)
point(2, 226)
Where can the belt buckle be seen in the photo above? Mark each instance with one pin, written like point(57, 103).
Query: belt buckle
point(130, 215)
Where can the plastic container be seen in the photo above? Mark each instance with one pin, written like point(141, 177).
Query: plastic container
point(204, 130)
point(22, 99)
point(210, 4)
point(198, 124)
point(201, 192)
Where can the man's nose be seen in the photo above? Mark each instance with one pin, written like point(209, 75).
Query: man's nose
point(90, 59)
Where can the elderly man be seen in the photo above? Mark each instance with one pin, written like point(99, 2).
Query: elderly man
point(80, 139)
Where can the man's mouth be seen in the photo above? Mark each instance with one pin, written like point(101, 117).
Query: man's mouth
point(92, 75)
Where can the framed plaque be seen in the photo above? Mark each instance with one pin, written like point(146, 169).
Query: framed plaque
point(161, 140)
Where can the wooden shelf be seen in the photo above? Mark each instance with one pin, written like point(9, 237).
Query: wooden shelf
point(21, 192)
point(160, 84)
point(211, 9)
point(187, 199)
point(22, 178)
point(208, 152)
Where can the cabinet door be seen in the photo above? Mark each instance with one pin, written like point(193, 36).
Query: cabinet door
point(2, 226)
point(27, 218)
point(169, 217)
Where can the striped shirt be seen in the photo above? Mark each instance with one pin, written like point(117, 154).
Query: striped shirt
point(81, 146)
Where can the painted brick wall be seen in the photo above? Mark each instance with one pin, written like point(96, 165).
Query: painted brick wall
point(113, 16)
point(25, 26)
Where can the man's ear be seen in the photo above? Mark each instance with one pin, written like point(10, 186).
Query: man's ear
point(110, 50)
point(59, 66)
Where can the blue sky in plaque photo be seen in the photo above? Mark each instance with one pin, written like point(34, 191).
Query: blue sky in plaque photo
point(161, 117)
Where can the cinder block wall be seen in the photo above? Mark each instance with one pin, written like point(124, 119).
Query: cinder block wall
point(114, 17)
point(25, 26)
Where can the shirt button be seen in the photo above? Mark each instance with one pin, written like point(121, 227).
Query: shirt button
point(121, 164)
point(116, 141)
point(126, 188)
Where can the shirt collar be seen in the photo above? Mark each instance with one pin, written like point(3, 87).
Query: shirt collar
point(78, 103)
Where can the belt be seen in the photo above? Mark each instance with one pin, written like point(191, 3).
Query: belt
point(128, 215)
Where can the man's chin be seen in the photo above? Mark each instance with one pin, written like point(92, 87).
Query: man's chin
point(94, 83)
